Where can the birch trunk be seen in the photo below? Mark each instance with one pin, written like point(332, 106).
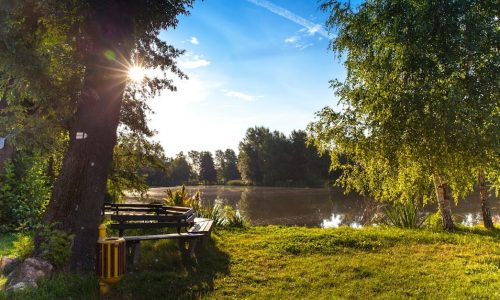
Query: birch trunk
point(444, 203)
point(485, 205)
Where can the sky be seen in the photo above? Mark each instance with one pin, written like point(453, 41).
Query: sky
point(250, 63)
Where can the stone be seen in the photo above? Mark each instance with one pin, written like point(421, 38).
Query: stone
point(8, 264)
point(28, 273)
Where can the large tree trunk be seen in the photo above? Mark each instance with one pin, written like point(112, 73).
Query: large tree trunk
point(80, 188)
point(485, 205)
point(443, 199)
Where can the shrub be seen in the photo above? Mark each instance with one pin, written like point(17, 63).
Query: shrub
point(404, 215)
point(236, 183)
point(215, 213)
point(55, 245)
point(223, 215)
point(435, 221)
point(24, 247)
point(24, 193)
point(182, 198)
point(233, 218)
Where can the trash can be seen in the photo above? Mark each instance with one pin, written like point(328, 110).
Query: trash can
point(110, 260)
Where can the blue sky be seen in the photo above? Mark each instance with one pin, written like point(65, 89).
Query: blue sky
point(250, 62)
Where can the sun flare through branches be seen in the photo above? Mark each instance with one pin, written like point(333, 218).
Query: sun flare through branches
point(136, 73)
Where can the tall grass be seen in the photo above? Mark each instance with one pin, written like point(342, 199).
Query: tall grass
point(223, 215)
point(214, 212)
point(182, 198)
point(403, 215)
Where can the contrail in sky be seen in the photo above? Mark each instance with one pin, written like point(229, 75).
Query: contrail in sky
point(311, 27)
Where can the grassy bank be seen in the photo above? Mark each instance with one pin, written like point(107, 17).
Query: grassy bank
point(295, 262)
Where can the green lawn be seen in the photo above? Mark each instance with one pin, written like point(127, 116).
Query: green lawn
point(295, 262)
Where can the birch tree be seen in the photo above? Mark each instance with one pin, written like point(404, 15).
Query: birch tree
point(418, 113)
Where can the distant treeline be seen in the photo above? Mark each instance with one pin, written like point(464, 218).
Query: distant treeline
point(265, 158)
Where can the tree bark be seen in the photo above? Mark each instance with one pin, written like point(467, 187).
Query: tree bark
point(444, 203)
point(485, 205)
point(79, 191)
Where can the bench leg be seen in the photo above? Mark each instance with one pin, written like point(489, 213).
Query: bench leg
point(187, 248)
point(137, 253)
point(133, 253)
point(206, 238)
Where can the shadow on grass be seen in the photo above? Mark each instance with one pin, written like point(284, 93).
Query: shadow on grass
point(479, 230)
point(162, 274)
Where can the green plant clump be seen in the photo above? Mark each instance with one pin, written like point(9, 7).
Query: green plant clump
point(223, 215)
point(403, 215)
point(23, 247)
point(24, 193)
point(55, 245)
point(236, 183)
point(182, 198)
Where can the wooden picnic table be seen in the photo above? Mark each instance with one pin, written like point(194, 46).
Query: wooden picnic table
point(126, 216)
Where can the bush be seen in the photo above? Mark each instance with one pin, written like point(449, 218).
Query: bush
point(236, 183)
point(403, 215)
point(233, 218)
point(223, 215)
point(24, 193)
point(24, 247)
point(435, 221)
point(215, 213)
point(182, 198)
point(55, 245)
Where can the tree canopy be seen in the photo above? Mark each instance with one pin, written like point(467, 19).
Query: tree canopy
point(419, 106)
point(63, 72)
point(272, 159)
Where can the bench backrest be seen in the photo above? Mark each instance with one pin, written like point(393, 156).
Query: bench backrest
point(148, 216)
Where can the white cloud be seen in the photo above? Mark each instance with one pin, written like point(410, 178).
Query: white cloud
point(240, 95)
point(292, 39)
point(296, 41)
point(302, 47)
point(193, 62)
point(194, 41)
point(312, 28)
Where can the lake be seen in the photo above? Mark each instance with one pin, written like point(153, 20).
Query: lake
point(316, 207)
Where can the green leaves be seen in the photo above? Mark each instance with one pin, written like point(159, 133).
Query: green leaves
point(419, 98)
point(24, 193)
point(133, 153)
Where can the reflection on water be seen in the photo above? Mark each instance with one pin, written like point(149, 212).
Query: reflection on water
point(470, 219)
point(334, 221)
point(313, 207)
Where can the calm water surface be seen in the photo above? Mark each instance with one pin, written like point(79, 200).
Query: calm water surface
point(312, 207)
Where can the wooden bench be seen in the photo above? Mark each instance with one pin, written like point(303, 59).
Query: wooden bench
point(202, 226)
point(150, 216)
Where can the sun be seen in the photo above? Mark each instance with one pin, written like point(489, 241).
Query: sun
point(136, 73)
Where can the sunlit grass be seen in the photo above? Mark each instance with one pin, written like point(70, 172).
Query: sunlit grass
point(309, 263)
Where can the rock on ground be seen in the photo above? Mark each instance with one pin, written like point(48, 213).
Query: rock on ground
point(27, 273)
point(8, 264)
